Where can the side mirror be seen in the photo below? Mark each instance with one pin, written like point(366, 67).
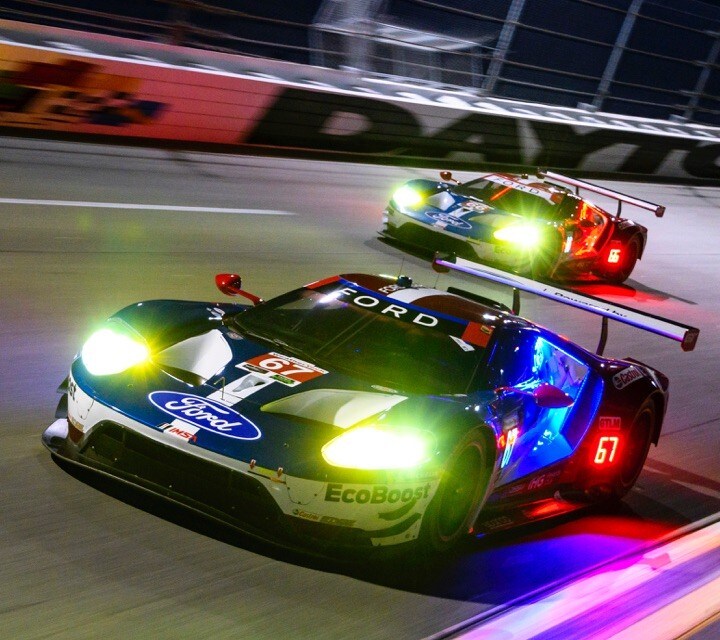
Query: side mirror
point(447, 176)
point(230, 284)
point(545, 395)
point(549, 396)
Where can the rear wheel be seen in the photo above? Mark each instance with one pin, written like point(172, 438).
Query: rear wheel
point(453, 510)
point(637, 444)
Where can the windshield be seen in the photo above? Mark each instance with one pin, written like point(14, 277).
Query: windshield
point(363, 334)
point(514, 197)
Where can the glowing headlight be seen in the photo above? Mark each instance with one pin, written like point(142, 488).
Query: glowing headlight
point(375, 448)
point(407, 197)
point(524, 235)
point(107, 352)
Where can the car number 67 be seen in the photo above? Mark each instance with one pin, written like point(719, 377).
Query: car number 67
point(285, 367)
point(607, 447)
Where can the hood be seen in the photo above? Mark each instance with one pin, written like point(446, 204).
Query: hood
point(462, 214)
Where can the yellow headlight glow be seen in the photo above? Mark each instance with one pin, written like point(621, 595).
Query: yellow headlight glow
point(407, 197)
point(375, 448)
point(523, 235)
point(107, 352)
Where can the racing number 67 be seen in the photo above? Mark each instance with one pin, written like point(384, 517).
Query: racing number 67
point(606, 449)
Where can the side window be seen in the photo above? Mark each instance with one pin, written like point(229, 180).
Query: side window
point(558, 367)
point(530, 360)
point(526, 359)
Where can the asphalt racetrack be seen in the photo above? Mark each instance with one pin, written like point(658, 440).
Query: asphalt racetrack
point(82, 558)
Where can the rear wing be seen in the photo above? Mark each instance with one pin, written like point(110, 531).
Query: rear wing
point(657, 209)
point(684, 334)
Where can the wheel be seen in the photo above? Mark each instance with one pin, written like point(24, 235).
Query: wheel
point(618, 273)
point(461, 494)
point(635, 449)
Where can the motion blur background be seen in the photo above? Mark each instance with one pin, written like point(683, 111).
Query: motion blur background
point(648, 58)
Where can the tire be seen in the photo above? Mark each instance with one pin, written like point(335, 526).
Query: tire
point(631, 253)
point(460, 496)
point(635, 449)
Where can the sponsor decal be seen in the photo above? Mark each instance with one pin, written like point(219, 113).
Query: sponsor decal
point(79, 404)
point(478, 334)
point(449, 220)
point(519, 186)
point(69, 91)
point(462, 344)
point(610, 423)
point(182, 430)
point(376, 494)
point(544, 480)
point(287, 370)
point(394, 129)
point(381, 306)
point(206, 414)
point(496, 523)
point(625, 377)
point(515, 489)
point(316, 517)
point(390, 288)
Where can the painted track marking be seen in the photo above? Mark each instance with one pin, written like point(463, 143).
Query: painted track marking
point(145, 207)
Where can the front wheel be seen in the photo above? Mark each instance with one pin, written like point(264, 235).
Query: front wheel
point(460, 496)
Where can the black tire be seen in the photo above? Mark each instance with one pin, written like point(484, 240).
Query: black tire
point(631, 254)
point(637, 441)
point(460, 496)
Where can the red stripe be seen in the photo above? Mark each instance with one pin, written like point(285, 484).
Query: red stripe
point(319, 283)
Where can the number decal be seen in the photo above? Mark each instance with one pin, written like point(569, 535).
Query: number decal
point(614, 256)
point(282, 368)
point(287, 368)
point(606, 450)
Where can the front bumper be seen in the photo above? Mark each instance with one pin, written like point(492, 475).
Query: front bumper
point(407, 231)
point(265, 503)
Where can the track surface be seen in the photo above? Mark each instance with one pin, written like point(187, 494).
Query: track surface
point(79, 559)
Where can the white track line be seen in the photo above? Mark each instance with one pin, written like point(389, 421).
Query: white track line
point(597, 592)
point(142, 207)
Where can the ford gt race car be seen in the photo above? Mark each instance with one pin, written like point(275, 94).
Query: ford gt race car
point(362, 411)
point(533, 225)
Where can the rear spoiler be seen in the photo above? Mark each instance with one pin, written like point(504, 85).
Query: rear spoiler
point(684, 334)
point(657, 209)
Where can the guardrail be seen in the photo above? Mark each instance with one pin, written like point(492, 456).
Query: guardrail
point(54, 80)
point(640, 57)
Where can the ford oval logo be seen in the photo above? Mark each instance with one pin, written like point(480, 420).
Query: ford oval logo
point(206, 414)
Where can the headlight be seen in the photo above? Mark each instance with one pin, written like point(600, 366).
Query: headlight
point(376, 448)
point(407, 197)
point(107, 351)
point(523, 235)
